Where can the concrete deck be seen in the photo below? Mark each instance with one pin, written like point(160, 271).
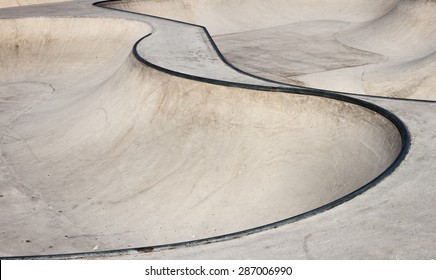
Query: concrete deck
point(109, 152)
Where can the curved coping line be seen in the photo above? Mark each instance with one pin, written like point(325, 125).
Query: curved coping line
point(401, 127)
point(204, 29)
point(228, 63)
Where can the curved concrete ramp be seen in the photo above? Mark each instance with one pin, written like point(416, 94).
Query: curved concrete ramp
point(227, 16)
point(110, 153)
point(383, 48)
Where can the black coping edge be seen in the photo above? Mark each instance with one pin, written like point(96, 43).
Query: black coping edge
point(402, 128)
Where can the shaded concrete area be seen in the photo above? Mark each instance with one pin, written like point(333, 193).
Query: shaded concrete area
point(112, 140)
point(293, 50)
point(393, 220)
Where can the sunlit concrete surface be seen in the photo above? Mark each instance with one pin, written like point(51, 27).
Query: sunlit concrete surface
point(124, 135)
point(384, 48)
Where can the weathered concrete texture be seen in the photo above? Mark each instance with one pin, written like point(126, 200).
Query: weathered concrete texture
point(385, 48)
point(126, 140)
point(224, 17)
point(15, 3)
point(293, 50)
point(102, 150)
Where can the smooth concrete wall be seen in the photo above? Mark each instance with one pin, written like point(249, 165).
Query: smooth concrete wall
point(110, 153)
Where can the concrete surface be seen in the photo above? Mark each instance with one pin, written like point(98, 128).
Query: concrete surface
point(384, 48)
point(15, 3)
point(105, 148)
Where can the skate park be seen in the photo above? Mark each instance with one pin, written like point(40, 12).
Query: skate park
point(218, 129)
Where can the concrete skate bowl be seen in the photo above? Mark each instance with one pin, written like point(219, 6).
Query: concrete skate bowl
point(102, 152)
point(382, 48)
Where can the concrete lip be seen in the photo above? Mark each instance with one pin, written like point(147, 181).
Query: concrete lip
point(18, 3)
point(109, 151)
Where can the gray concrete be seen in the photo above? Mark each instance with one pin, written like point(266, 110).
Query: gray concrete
point(92, 152)
point(384, 48)
point(394, 220)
